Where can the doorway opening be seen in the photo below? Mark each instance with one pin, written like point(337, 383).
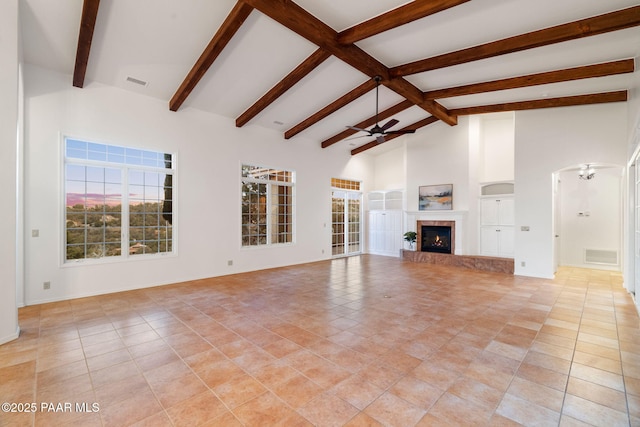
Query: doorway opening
point(588, 217)
point(346, 224)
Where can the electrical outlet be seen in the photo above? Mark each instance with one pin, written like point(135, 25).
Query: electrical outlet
point(523, 264)
point(230, 262)
point(46, 285)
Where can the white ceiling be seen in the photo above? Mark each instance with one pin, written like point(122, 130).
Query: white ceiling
point(158, 41)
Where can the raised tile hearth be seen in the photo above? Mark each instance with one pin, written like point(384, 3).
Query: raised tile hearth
point(473, 262)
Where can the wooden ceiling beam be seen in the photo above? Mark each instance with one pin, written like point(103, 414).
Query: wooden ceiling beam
point(612, 21)
point(229, 27)
point(565, 75)
point(387, 138)
point(85, 37)
point(399, 16)
point(354, 94)
point(368, 122)
point(301, 22)
point(308, 65)
point(566, 101)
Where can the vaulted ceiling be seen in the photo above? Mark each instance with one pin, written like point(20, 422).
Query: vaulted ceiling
point(306, 68)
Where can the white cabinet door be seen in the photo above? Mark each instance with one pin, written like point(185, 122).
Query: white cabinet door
point(385, 233)
point(497, 217)
point(505, 241)
point(506, 211)
point(489, 212)
point(497, 211)
point(496, 241)
point(489, 241)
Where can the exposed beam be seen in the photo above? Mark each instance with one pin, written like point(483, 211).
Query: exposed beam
point(301, 22)
point(402, 15)
point(85, 36)
point(612, 21)
point(284, 85)
point(414, 126)
point(229, 27)
point(368, 122)
point(415, 95)
point(576, 73)
point(331, 108)
point(566, 101)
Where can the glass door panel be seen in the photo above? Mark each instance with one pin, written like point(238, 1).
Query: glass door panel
point(345, 223)
point(337, 223)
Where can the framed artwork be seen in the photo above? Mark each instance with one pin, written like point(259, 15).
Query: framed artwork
point(435, 197)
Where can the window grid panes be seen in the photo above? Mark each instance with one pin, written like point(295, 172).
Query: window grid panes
point(267, 206)
point(119, 201)
point(345, 184)
point(346, 227)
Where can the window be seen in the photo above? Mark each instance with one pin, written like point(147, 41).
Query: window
point(267, 206)
point(345, 184)
point(118, 201)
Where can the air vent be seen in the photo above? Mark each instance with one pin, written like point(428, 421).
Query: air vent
point(137, 81)
point(600, 256)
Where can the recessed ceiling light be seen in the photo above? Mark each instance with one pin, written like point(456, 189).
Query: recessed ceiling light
point(278, 122)
point(137, 81)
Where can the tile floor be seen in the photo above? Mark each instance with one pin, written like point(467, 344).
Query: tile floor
point(362, 341)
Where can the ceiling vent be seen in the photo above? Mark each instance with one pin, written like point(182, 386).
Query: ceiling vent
point(137, 81)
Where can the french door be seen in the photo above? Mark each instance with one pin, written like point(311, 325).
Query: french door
point(346, 225)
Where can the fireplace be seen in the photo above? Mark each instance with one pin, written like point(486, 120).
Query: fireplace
point(436, 236)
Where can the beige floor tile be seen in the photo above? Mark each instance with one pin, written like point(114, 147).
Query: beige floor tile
point(358, 341)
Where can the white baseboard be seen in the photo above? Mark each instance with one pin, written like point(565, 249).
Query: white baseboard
point(11, 337)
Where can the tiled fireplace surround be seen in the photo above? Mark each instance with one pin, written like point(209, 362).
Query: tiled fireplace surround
point(456, 258)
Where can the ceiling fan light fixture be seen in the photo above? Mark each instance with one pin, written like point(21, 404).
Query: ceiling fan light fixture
point(586, 172)
point(378, 131)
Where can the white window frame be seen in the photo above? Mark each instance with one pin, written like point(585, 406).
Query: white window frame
point(269, 206)
point(125, 221)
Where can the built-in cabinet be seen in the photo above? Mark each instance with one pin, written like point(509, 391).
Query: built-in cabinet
point(385, 222)
point(497, 219)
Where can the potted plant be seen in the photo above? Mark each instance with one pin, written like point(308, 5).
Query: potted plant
point(410, 236)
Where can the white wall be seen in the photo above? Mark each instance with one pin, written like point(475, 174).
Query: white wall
point(209, 151)
point(590, 215)
point(389, 168)
point(439, 154)
point(9, 121)
point(497, 147)
point(547, 141)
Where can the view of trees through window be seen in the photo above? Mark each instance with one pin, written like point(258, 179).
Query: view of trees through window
point(119, 201)
point(267, 206)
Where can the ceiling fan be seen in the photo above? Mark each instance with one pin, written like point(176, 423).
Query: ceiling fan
point(380, 131)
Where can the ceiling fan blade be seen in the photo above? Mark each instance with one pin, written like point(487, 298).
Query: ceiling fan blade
point(400, 132)
point(380, 139)
point(359, 136)
point(358, 129)
point(390, 123)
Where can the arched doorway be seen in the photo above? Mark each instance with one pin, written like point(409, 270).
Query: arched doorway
point(588, 216)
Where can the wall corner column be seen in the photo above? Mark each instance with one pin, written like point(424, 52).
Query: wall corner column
point(10, 135)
